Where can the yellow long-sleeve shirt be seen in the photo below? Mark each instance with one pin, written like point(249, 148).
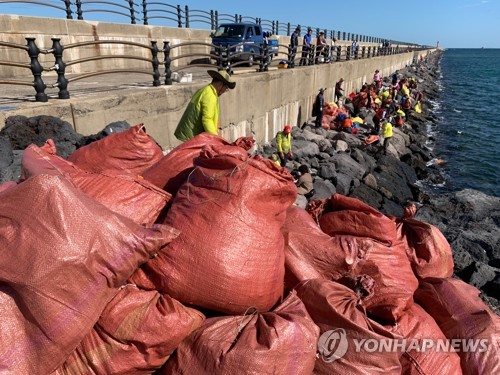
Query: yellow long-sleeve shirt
point(283, 142)
point(201, 114)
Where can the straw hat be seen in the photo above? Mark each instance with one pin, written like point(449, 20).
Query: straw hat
point(222, 76)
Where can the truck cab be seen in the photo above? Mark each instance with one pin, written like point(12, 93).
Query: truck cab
point(246, 38)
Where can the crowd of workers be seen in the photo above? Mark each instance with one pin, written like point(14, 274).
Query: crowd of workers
point(390, 103)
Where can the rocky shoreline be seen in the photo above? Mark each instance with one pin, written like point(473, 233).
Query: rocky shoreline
point(342, 163)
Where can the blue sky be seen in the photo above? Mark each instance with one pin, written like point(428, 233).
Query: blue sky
point(454, 23)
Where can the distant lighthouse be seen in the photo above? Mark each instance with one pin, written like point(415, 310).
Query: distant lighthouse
point(437, 45)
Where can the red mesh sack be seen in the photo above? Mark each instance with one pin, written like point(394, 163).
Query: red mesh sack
point(394, 281)
point(372, 238)
point(59, 268)
point(136, 333)
point(231, 252)
point(428, 250)
point(279, 342)
point(7, 185)
point(461, 314)
point(339, 313)
point(312, 254)
point(344, 215)
point(130, 152)
point(132, 197)
point(171, 171)
point(422, 355)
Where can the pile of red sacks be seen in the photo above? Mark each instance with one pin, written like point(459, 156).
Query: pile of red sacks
point(123, 260)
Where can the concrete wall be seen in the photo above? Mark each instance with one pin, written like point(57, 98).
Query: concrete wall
point(15, 29)
point(261, 104)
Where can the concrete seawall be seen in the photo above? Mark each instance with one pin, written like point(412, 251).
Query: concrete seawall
point(261, 104)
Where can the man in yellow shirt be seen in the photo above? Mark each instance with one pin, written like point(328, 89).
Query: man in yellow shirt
point(202, 112)
point(284, 144)
point(387, 134)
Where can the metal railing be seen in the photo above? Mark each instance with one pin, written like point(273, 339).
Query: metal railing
point(160, 11)
point(200, 54)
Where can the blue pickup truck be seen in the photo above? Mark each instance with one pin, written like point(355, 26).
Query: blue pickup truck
point(247, 39)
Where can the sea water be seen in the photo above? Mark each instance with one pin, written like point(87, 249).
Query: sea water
point(467, 135)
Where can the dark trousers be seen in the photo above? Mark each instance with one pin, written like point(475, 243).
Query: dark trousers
point(284, 159)
point(305, 56)
point(293, 52)
point(319, 119)
point(376, 124)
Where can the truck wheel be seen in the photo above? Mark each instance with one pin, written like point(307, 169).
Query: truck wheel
point(250, 59)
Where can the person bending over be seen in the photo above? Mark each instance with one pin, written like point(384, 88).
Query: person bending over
point(202, 112)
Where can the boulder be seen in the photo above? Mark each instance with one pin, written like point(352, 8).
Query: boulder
point(367, 195)
point(304, 149)
point(23, 131)
point(328, 171)
point(344, 183)
point(350, 139)
point(340, 145)
point(323, 189)
point(367, 161)
point(370, 181)
point(347, 165)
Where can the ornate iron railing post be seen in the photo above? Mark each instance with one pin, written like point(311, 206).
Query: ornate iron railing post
point(212, 20)
point(156, 64)
point(167, 62)
point(36, 69)
point(343, 35)
point(186, 16)
point(79, 12)
point(266, 57)
point(363, 49)
point(277, 27)
point(339, 53)
point(145, 12)
point(179, 16)
point(69, 13)
point(132, 12)
point(348, 53)
point(220, 59)
point(288, 29)
point(62, 82)
point(216, 20)
point(369, 51)
point(236, 17)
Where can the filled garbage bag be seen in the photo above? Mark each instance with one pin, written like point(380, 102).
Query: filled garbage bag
point(339, 313)
point(428, 250)
point(310, 253)
point(368, 241)
point(7, 185)
point(230, 254)
point(344, 215)
point(422, 353)
point(282, 341)
point(172, 170)
point(129, 196)
point(136, 333)
point(130, 152)
point(63, 256)
point(473, 329)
